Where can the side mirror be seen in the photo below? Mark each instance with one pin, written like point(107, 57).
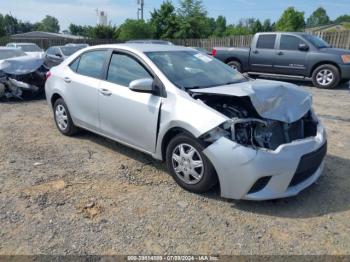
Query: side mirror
point(304, 47)
point(144, 85)
point(58, 55)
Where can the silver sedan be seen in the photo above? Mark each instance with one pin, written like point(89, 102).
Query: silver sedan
point(256, 139)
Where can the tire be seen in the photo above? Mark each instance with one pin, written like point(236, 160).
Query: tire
point(235, 65)
point(63, 119)
point(206, 175)
point(326, 76)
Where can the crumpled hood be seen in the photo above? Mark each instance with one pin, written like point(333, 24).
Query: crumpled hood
point(272, 99)
point(21, 65)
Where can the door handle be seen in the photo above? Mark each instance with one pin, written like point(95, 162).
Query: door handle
point(105, 92)
point(67, 80)
point(255, 52)
point(280, 53)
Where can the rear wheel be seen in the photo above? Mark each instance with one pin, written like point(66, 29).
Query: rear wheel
point(63, 119)
point(190, 168)
point(326, 76)
point(235, 65)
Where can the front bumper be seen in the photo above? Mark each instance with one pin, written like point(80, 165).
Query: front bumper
point(239, 167)
point(345, 71)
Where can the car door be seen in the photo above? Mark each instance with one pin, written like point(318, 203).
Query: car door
point(82, 80)
point(289, 59)
point(125, 115)
point(262, 53)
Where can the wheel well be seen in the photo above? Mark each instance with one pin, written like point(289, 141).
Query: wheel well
point(323, 63)
point(170, 134)
point(54, 98)
point(228, 60)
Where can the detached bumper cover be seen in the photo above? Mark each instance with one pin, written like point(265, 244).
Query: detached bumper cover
point(239, 167)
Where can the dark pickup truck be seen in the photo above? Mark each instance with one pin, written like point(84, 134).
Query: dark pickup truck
point(293, 54)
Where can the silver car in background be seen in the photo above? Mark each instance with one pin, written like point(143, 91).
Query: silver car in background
point(257, 139)
point(30, 49)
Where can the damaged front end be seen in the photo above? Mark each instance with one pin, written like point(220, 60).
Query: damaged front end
point(22, 75)
point(272, 144)
point(247, 128)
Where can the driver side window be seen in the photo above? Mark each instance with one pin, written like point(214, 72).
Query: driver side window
point(123, 69)
point(289, 42)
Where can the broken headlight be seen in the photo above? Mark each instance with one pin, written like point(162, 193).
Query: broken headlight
point(240, 130)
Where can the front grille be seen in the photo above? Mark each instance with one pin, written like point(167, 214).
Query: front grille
point(308, 165)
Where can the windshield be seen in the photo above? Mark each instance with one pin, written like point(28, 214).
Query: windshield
point(5, 54)
point(190, 69)
point(29, 48)
point(316, 41)
point(69, 50)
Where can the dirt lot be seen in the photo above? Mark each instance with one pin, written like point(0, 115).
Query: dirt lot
point(90, 195)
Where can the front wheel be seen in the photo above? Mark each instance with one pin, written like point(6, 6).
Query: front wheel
point(326, 76)
point(190, 168)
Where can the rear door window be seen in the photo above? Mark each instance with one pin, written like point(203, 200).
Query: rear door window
point(266, 41)
point(91, 63)
point(289, 42)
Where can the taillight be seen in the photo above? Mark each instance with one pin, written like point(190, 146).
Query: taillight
point(213, 52)
point(48, 74)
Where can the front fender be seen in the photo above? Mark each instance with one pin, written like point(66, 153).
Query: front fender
point(187, 113)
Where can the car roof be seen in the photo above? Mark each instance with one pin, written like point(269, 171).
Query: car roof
point(148, 41)
point(8, 48)
point(22, 43)
point(278, 32)
point(144, 47)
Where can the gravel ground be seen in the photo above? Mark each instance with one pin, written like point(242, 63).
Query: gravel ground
point(90, 195)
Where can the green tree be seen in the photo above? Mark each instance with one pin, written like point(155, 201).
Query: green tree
point(164, 21)
point(86, 31)
point(220, 26)
point(10, 24)
point(267, 27)
point(342, 19)
point(318, 18)
point(25, 27)
point(291, 20)
point(2, 26)
point(211, 22)
point(256, 27)
point(238, 29)
point(102, 32)
point(194, 20)
point(49, 24)
point(134, 29)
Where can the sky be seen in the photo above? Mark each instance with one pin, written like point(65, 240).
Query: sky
point(83, 11)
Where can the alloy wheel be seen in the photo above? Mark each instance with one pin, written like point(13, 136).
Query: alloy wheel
point(324, 77)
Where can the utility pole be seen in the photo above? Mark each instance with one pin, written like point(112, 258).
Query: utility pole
point(141, 4)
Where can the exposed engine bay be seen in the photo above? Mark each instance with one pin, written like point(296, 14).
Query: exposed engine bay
point(13, 86)
point(248, 128)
